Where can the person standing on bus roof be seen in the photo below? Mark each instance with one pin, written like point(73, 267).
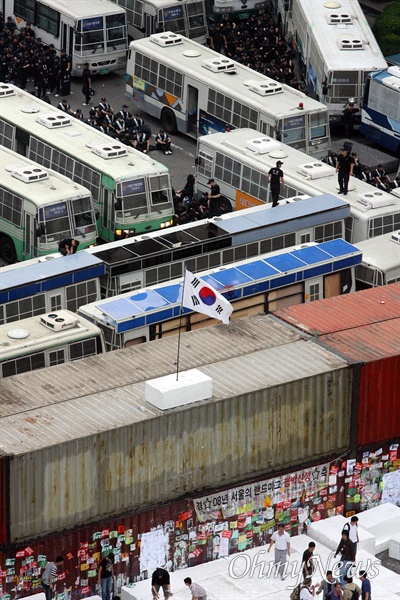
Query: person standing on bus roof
point(68, 246)
point(87, 83)
point(344, 168)
point(214, 196)
point(275, 179)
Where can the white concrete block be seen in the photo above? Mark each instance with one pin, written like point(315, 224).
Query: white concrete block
point(128, 592)
point(40, 596)
point(381, 521)
point(394, 546)
point(166, 392)
point(328, 533)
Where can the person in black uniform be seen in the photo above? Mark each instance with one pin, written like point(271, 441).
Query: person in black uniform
point(87, 83)
point(68, 246)
point(275, 179)
point(344, 168)
point(214, 196)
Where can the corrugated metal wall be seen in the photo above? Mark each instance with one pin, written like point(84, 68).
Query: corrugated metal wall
point(4, 491)
point(204, 445)
point(379, 403)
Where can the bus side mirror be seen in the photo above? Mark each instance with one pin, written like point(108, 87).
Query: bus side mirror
point(96, 215)
point(40, 231)
point(325, 87)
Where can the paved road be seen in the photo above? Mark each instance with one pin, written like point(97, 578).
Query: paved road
point(112, 86)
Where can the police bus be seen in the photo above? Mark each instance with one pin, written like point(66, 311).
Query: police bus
point(336, 46)
point(197, 91)
point(240, 161)
point(39, 208)
point(186, 17)
point(131, 191)
point(381, 261)
point(47, 340)
point(163, 255)
point(92, 32)
point(260, 284)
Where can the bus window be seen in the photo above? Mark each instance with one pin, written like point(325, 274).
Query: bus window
point(55, 221)
point(293, 129)
point(159, 189)
point(173, 20)
point(83, 217)
point(318, 125)
point(130, 199)
point(196, 19)
point(92, 35)
point(115, 30)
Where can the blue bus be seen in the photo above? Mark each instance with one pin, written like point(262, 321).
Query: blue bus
point(380, 115)
point(48, 284)
point(259, 285)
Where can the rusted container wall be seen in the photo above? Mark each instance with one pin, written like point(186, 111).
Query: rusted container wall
point(344, 312)
point(378, 347)
point(276, 408)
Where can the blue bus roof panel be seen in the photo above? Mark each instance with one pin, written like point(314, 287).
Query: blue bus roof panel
point(251, 277)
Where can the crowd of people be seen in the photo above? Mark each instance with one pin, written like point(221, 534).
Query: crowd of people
point(377, 177)
point(189, 208)
point(258, 43)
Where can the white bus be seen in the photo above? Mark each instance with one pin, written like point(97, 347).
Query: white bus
point(39, 208)
point(47, 340)
point(238, 10)
point(380, 114)
point(239, 162)
point(186, 17)
point(93, 32)
point(132, 192)
point(197, 91)
point(380, 261)
point(336, 46)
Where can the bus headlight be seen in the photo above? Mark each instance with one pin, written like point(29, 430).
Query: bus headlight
point(166, 224)
point(223, 9)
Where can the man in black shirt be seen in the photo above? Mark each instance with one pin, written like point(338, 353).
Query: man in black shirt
point(214, 196)
point(275, 178)
point(160, 578)
point(68, 246)
point(344, 168)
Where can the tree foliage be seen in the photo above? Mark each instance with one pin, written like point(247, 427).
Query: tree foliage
point(387, 29)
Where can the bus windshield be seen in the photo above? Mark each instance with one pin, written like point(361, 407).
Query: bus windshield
point(54, 221)
point(197, 26)
point(173, 19)
point(83, 216)
point(116, 31)
point(130, 200)
point(99, 35)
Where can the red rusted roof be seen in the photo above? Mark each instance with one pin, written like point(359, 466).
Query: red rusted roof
point(345, 312)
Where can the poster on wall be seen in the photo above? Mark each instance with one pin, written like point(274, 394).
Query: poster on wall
point(152, 550)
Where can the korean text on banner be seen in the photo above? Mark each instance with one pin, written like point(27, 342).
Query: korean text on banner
point(203, 298)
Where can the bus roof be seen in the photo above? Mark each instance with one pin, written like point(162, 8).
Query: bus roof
point(81, 10)
point(383, 253)
point(16, 173)
point(22, 109)
point(30, 335)
point(189, 56)
point(56, 270)
point(329, 35)
point(315, 177)
point(137, 309)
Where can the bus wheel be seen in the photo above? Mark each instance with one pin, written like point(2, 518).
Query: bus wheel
point(168, 121)
point(7, 250)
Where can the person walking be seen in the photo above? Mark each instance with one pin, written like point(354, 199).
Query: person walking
point(352, 530)
point(307, 560)
point(198, 592)
point(160, 578)
point(49, 576)
point(281, 539)
point(344, 168)
point(275, 179)
point(346, 549)
point(87, 84)
point(349, 118)
point(365, 586)
point(105, 576)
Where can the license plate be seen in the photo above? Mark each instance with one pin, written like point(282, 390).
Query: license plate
point(244, 16)
point(103, 71)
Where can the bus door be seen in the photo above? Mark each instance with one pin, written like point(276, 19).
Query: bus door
point(30, 242)
point(107, 226)
point(313, 289)
point(67, 37)
point(148, 24)
point(192, 109)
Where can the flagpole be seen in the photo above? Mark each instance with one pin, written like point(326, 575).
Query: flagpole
point(179, 330)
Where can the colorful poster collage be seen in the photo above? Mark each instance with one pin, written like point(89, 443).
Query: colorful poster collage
point(188, 532)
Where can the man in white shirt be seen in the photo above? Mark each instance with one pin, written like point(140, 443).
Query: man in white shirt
point(352, 530)
point(307, 591)
point(198, 592)
point(281, 539)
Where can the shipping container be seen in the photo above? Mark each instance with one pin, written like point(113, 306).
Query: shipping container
point(377, 348)
point(345, 312)
point(85, 446)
